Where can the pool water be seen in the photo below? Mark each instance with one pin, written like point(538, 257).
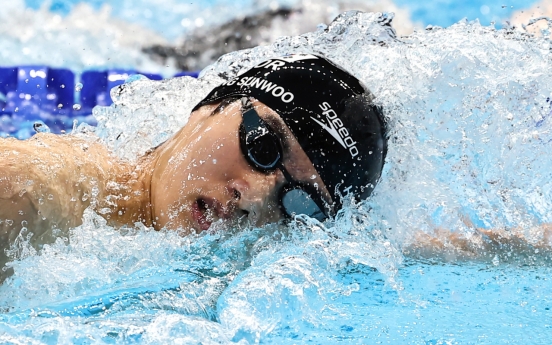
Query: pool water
point(470, 130)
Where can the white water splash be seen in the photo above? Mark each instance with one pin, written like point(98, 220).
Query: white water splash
point(468, 142)
point(131, 126)
point(469, 134)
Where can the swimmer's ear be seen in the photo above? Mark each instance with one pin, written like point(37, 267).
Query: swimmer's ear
point(220, 106)
point(213, 109)
point(203, 111)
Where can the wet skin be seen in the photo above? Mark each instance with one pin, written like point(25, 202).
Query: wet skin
point(197, 177)
point(203, 167)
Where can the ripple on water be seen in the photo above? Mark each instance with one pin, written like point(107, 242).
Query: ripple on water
point(469, 120)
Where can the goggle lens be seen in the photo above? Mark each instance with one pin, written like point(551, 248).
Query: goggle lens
point(262, 146)
point(297, 201)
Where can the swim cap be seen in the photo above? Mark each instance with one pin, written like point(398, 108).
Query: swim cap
point(330, 113)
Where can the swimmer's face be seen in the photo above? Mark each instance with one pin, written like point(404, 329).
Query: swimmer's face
point(201, 176)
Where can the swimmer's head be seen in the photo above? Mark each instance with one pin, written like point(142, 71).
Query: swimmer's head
point(330, 114)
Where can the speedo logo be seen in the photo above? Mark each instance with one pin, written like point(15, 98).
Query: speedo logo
point(264, 85)
point(336, 129)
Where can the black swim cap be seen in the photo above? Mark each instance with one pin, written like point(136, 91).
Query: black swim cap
point(328, 110)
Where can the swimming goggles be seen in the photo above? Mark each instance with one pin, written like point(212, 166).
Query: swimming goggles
point(262, 149)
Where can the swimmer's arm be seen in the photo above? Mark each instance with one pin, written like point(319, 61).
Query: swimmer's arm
point(482, 244)
point(17, 204)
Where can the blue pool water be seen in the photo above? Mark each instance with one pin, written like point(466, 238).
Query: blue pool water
point(470, 132)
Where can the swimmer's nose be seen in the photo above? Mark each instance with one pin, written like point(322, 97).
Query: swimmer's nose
point(256, 196)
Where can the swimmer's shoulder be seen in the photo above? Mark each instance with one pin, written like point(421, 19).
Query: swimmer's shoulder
point(52, 152)
point(57, 164)
point(44, 143)
point(44, 184)
point(54, 176)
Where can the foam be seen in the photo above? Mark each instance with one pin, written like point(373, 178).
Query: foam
point(470, 130)
point(444, 93)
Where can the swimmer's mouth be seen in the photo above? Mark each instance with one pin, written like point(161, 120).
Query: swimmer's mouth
point(206, 211)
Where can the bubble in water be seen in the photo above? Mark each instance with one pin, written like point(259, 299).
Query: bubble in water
point(135, 77)
point(40, 127)
point(430, 153)
point(485, 10)
point(60, 106)
point(76, 107)
point(78, 87)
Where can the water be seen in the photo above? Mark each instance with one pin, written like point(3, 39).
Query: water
point(174, 18)
point(470, 128)
point(84, 35)
point(447, 12)
point(156, 14)
point(84, 39)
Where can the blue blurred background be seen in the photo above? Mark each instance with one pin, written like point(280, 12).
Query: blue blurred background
point(434, 12)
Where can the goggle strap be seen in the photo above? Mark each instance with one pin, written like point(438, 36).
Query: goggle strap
point(284, 171)
point(246, 107)
point(246, 103)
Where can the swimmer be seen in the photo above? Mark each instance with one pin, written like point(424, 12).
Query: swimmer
point(290, 136)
